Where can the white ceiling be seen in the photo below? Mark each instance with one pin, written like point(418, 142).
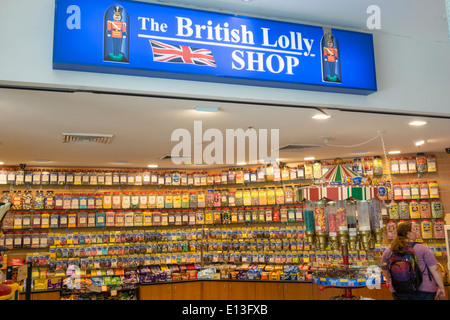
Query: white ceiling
point(33, 121)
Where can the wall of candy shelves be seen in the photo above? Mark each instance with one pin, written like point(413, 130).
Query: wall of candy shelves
point(109, 221)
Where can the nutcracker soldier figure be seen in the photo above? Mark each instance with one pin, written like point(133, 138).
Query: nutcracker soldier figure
point(116, 39)
point(331, 62)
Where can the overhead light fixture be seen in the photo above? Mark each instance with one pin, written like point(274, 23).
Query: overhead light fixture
point(206, 109)
point(309, 158)
point(152, 166)
point(2, 163)
point(360, 152)
point(321, 115)
point(41, 160)
point(120, 161)
point(241, 163)
point(394, 152)
point(417, 123)
point(419, 142)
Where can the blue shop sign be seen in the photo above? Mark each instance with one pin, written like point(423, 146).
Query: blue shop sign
point(143, 39)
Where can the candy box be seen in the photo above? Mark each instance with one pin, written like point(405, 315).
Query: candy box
point(192, 274)
point(224, 274)
point(54, 283)
point(253, 275)
point(293, 277)
point(284, 276)
point(40, 284)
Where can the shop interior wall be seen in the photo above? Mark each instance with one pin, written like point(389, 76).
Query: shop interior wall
point(442, 177)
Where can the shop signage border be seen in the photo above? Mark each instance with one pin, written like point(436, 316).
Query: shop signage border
point(144, 39)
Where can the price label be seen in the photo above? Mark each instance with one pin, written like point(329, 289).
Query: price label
point(104, 288)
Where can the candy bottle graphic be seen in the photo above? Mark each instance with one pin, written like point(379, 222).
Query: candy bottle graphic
point(331, 61)
point(116, 40)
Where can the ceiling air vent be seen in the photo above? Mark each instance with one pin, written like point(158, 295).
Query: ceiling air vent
point(87, 138)
point(298, 147)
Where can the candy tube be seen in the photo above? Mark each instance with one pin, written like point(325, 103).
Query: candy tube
point(341, 216)
point(376, 221)
point(319, 217)
point(309, 216)
point(320, 224)
point(331, 219)
point(363, 208)
point(363, 215)
point(350, 208)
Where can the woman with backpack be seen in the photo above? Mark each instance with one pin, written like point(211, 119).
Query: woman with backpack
point(411, 268)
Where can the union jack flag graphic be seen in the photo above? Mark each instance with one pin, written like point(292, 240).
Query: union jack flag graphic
point(165, 52)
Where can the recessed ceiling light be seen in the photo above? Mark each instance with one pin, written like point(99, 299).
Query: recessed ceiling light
point(321, 116)
point(419, 142)
point(206, 109)
point(241, 163)
point(152, 166)
point(417, 123)
point(309, 158)
point(394, 152)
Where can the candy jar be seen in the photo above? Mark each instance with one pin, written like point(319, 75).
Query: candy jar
point(391, 230)
point(431, 163)
point(393, 210)
point(209, 199)
point(439, 229)
point(426, 227)
point(403, 209)
point(255, 196)
point(425, 210)
point(377, 166)
point(364, 222)
point(436, 208)
point(247, 197)
point(423, 190)
point(217, 198)
point(358, 166)
point(433, 189)
point(421, 162)
point(415, 227)
point(317, 169)
point(414, 209)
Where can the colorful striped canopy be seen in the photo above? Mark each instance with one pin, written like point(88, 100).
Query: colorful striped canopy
point(338, 173)
point(335, 186)
point(334, 193)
